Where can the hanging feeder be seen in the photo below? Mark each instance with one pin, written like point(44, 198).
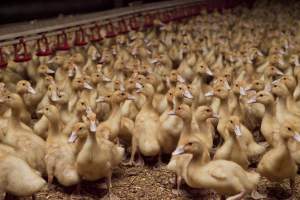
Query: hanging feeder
point(3, 61)
point(62, 42)
point(46, 51)
point(123, 27)
point(95, 36)
point(134, 24)
point(110, 30)
point(22, 56)
point(80, 38)
point(148, 21)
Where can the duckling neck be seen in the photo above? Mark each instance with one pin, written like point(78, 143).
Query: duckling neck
point(15, 117)
point(54, 125)
point(270, 109)
point(224, 107)
point(91, 140)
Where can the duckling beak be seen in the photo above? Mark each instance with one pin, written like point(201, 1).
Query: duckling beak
point(73, 137)
point(100, 99)
point(93, 126)
point(71, 72)
point(40, 112)
point(50, 71)
point(138, 87)
point(252, 100)
point(187, 94)
point(31, 90)
point(87, 86)
point(279, 72)
point(172, 112)
point(209, 72)
point(297, 136)
point(178, 151)
point(88, 110)
point(106, 79)
point(209, 94)
point(51, 60)
point(153, 61)
point(242, 91)
point(180, 79)
point(215, 115)
point(54, 96)
point(131, 97)
point(122, 88)
point(237, 130)
point(227, 86)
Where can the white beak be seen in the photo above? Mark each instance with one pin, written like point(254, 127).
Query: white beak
point(50, 71)
point(106, 79)
point(138, 86)
point(242, 91)
point(208, 94)
point(279, 72)
point(100, 99)
point(180, 79)
point(179, 150)
point(153, 61)
point(93, 126)
point(54, 96)
point(73, 137)
point(252, 100)
point(209, 72)
point(131, 97)
point(87, 86)
point(187, 94)
point(31, 90)
point(227, 86)
point(297, 136)
point(237, 130)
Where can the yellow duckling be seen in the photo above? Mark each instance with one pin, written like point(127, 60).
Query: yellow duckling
point(233, 148)
point(278, 164)
point(97, 157)
point(225, 177)
point(60, 156)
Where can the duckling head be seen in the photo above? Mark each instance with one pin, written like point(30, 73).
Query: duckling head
point(81, 106)
point(146, 89)
point(289, 130)
point(203, 113)
point(183, 111)
point(239, 88)
point(279, 89)
point(196, 148)
point(257, 85)
point(13, 100)
point(52, 92)
point(43, 69)
point(220, 92)
point(24, 87)
point(79, 131)
point(234, 126)
point(289, 81)
point(203, 69)
point(183, 91)
point(263, 97)
point(51, 112)
point(80, 83)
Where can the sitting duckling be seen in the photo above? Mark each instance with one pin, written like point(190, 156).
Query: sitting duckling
point(225, 177)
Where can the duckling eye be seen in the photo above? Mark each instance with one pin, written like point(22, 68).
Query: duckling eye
point(180, 88)
point(82, 104)
point(256, 83)
point(8, 97)
point(123, 94)
point(47, 109)
point(80, 128)
point(98, 75)
point(275, 86)
point(207, 110)
point(231, 121)
point(201, 66)
point(23, 84)
point(289, 129)
point(219, 90)
point(261, 95)
point(108, 96)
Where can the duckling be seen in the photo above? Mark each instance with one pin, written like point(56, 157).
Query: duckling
point(110, 128)
point(233, 148)
point(97, 157)
point(216, 174)
point(18, 178)
point(147, 126)
point(60, 156)
point(25, 142)
point(278, 164)
point(24, 89)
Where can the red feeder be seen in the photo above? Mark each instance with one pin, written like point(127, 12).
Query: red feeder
point(134, 25)
point(80, 38)
point(3, 61)
point(62, 42)
point(110, 31)
point(165, 17)
point(123, 27)
point(148, 21)
point(43, 52)
point(95, 37)
point(21, 57)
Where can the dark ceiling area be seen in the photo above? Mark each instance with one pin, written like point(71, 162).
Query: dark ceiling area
point(24, 10)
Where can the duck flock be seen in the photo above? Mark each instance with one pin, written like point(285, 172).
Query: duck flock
point(219, 92)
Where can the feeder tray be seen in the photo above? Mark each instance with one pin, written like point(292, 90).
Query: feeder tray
point(47, 51)
point(80, 38)
point(62, 42)
point(3, 62)
point(21, 57)
point(95, 37)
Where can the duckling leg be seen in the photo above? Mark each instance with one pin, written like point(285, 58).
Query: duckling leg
point(159, 163)
point(33, 197)
point(178, 191)
point(292, 185)
point(133, 151)
point(237, 197)
point(111, 196)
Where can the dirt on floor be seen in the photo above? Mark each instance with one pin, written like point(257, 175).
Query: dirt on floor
point(149, 183)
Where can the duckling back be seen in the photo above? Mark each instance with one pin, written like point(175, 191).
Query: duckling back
point(21, 180)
